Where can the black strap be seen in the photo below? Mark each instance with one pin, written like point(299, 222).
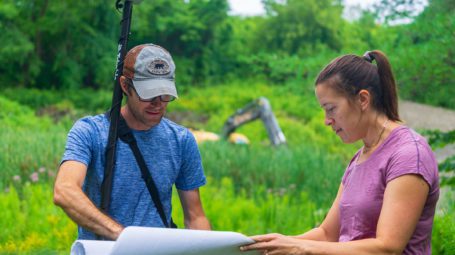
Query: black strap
point(125, 134)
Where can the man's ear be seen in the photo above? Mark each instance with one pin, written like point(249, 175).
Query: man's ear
point(364, 99)
point(124, 85)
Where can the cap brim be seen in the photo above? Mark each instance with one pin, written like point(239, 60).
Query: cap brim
point(155, 87)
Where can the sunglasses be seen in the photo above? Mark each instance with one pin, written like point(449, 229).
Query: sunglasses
point(163, 98)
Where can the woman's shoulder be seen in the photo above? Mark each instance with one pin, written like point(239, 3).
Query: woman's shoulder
point(406, 136)
point(406, 141)
point(410, 153)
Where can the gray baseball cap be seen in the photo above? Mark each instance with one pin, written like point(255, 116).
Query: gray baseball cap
point(152, 71)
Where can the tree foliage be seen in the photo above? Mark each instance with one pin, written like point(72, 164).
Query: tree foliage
point(69, 44)
point(55, 43)
point(188, 29)
point(393, 11)
point(72, 44)
point(296, 25)
point(423, 55)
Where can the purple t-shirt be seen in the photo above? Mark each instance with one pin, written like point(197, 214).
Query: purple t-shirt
point(403, 152)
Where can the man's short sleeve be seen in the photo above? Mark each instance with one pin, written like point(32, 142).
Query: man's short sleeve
point(191, 175)
point(79, 142)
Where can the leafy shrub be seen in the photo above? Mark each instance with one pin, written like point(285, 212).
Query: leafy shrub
point(13, 114)
point(281, 68)
point(438, 139)
point(39, 226)
point(443, 237)
point(87, 100)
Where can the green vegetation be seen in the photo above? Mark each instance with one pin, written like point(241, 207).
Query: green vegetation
point(262, 189)
point(278, 169)
point(443, 234)
point(268, 211)
point(29, 144)
point(440, 139)
point(57, 64)
point(42, 228)
point(64, 45)
point(31, 224)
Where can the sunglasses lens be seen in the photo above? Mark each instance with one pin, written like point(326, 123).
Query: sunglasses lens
point(167, 98)
point(163, 98)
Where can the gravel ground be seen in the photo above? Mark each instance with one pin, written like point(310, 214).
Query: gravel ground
point(426, 117)
point(419, 116)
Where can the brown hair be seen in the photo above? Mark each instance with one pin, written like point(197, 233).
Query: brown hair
point(349, 74)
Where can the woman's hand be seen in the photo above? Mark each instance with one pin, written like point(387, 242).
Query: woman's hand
point(275, 244)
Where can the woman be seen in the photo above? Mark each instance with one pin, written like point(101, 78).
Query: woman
point(387, 197)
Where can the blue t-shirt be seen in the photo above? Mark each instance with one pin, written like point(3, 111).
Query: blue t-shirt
point(171, 155)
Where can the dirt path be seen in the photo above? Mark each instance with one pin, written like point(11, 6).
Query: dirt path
point(419, 116)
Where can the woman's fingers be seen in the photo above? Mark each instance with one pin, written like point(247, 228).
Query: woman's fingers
point(261, 242)
point(254, 246)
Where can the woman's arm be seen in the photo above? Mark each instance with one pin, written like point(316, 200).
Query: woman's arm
point(404, 199)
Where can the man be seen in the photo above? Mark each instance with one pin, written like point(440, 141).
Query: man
point(170, 152)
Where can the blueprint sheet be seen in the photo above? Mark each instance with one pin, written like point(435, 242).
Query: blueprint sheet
point(165, 241)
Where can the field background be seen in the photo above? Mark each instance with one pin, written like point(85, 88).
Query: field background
point(57, 62)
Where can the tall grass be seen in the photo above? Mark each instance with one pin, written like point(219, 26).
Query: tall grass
point(304, 168)
point(266, 211)
point(30, 146)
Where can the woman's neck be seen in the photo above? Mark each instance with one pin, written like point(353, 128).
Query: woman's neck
point(376, 133)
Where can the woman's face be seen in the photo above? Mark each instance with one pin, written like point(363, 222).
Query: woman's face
point(343, 116)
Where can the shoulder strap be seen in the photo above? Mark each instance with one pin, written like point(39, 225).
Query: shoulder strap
point(125, 134)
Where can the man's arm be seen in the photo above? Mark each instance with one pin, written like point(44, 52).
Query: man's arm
point(69, 196)
point(194, 216)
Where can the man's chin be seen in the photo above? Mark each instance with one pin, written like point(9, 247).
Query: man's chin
point(153, 120)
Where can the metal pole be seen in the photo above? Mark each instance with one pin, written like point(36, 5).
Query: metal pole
point(114, 113)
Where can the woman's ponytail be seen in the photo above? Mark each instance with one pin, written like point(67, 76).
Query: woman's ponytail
point(389, 93)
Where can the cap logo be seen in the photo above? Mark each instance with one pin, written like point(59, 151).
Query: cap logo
point(158, 67)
